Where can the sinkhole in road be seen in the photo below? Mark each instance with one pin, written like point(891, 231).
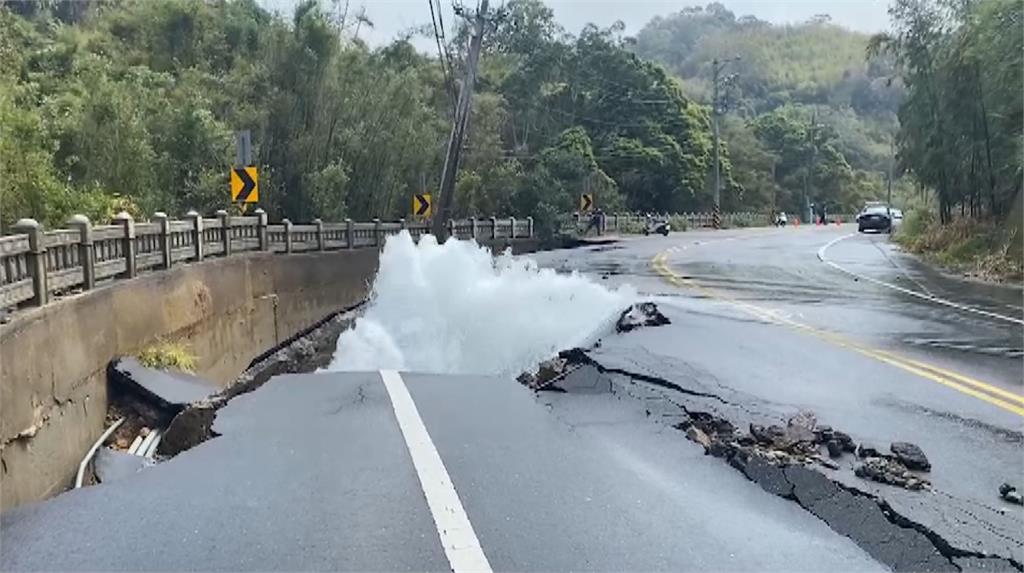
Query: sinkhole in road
point(456, 308)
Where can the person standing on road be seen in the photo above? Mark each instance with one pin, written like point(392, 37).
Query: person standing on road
point(595, 222)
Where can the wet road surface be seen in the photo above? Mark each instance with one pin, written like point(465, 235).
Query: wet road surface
point(760, 320)
point(311, 472)
point(315, 472)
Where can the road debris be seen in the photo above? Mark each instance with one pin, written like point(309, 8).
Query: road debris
point(789, 460)
point(638, 315)
point(1011, 494)
point(890, 471)
point(166, 389)
point(911, 456)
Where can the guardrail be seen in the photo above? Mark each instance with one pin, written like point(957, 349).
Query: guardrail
point(626, 222)
point(36, 264)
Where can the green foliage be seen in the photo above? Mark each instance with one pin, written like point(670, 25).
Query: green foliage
point(961, 124)
point(164, 355)
point(979, 248)
point(786, 79)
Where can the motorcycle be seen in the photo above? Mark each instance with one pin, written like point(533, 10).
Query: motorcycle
point(659, 227)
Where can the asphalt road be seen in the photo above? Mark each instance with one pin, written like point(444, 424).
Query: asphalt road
point(327, 471)
point(311, 472)
point(761, 319)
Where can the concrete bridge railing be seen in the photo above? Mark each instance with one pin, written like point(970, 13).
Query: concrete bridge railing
point(37, 264)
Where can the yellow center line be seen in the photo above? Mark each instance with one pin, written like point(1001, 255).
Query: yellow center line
point(999, 397)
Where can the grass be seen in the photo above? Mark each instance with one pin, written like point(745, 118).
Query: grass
point(165, 354)
point(979, 248)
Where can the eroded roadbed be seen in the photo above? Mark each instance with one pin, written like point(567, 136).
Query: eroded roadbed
point(310, 472)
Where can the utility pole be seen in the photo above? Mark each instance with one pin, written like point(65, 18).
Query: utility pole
point(461, 120)
point(811, 133)
point(892, 160)
point(718, 109)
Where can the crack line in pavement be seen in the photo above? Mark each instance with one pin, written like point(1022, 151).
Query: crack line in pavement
point(845, 509)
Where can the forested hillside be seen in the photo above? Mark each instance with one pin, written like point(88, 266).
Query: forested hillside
point(806, 104)
point(123, 104)
point(110, 105)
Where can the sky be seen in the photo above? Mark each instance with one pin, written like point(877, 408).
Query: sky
point(393, 17)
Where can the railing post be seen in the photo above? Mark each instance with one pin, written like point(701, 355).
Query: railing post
point(287, 235)
point(261, 229)
point(225, 229)
point(128, 246)
point(165, 238)
point(35, 258)
point(472, 227)
point(319, 234)
point(494, 228)
point(529, 226)
point(401, 223)
point(85, 252)
point(197, 233)
point(512, 228)
point(376, 232)
point(350, 233)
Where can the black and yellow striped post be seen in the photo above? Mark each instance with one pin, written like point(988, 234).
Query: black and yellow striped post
point(716, 217)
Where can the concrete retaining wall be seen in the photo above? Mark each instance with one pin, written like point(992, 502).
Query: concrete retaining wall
point(53, 360)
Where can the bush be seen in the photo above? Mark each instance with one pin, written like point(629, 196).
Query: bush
point(165, 355)
point(678, 223)
point(979, 248)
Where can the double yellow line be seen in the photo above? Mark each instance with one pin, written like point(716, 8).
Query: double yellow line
point(994, 395)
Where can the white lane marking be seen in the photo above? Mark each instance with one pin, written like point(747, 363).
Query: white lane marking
point(460, 543)
point(927, 297)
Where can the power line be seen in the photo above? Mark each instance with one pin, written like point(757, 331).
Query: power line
point(449, 88)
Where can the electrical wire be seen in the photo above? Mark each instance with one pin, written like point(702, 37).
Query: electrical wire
point(445, 66)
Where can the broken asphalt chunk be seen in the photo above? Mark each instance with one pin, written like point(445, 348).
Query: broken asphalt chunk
point(642, 314)
point(112, 465)
point(1011, 494)
point(911, 456)
point(167, 389)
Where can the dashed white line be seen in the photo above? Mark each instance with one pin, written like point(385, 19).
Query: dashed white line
point(461, 546)
point(927, 297)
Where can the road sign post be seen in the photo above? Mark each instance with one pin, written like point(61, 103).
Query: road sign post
point(245, 185)
point(422, 205)
point(586, 202)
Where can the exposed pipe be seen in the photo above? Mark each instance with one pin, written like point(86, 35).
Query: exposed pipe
point(92, 451)
point(146, 443)
point(136, 444)
point(156, 442)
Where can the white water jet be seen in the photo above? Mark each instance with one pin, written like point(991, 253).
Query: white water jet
point(455, 308)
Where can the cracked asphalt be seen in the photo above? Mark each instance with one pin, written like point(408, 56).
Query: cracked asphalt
point(760, 321)
point(310, 471)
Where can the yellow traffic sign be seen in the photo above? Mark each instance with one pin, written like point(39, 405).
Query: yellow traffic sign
point(421, 205)
point(245, 185)
point(586, 202)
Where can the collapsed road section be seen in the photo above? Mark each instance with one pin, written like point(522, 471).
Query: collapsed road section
point(797, 459)
point(155, 414)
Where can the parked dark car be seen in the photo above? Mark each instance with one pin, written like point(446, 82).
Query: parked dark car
point(876, 218)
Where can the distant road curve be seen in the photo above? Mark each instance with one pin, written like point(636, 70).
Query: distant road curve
point(923, 296)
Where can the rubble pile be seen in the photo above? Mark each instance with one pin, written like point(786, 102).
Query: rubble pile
point(802, 442)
